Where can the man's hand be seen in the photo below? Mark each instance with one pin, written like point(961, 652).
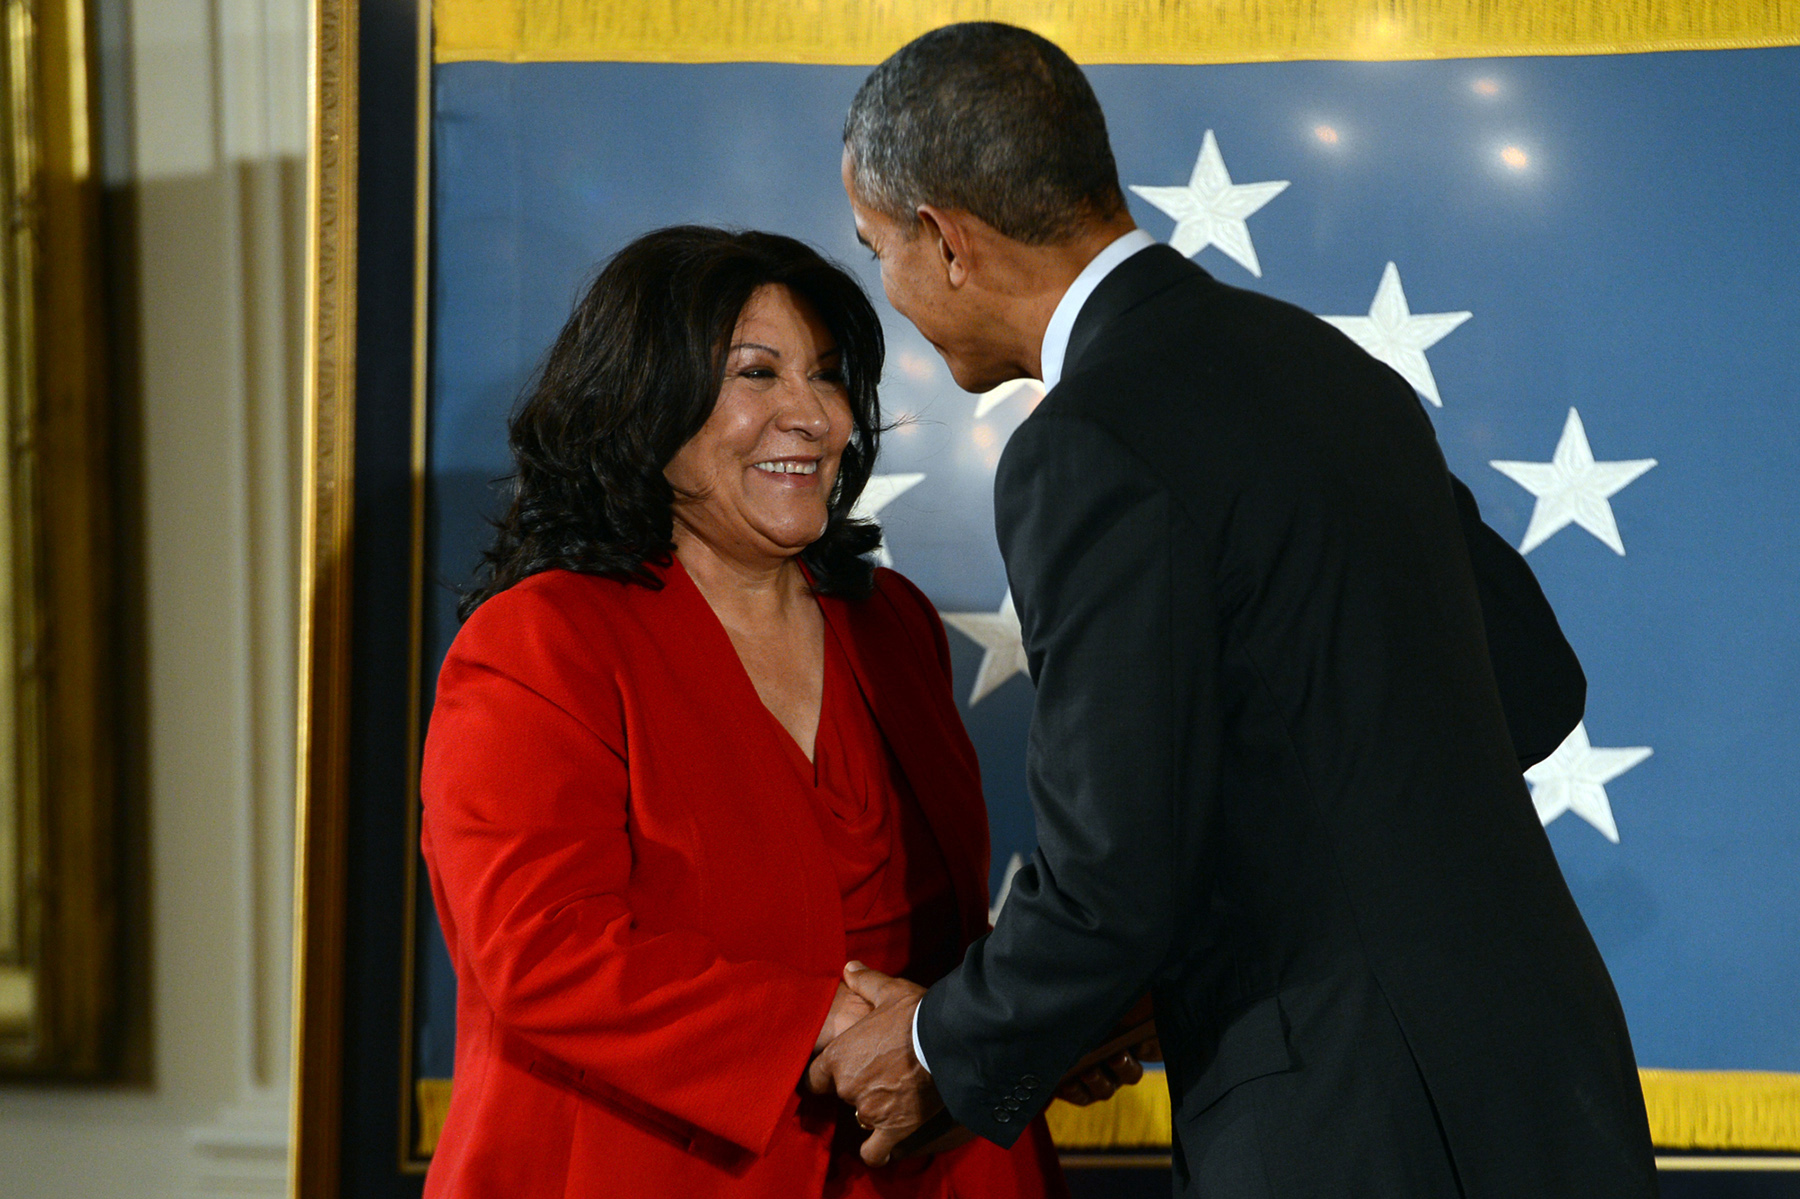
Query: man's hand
point(847, 1007)
point(871, 1064)
point(1099, 1083)
point(1102, 1081)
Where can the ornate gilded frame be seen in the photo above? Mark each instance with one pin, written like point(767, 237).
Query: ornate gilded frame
point(359, 579)
point(323, 708)
point(325, 593)
point(60, 1010)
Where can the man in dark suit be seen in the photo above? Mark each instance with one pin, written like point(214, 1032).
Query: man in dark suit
point(1286, 684)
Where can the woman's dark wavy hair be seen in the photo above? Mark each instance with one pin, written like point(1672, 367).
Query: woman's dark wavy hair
point(633, 376)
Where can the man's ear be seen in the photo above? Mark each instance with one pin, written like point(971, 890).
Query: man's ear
point(951, 234)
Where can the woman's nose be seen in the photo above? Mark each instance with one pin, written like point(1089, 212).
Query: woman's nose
point(803, 410)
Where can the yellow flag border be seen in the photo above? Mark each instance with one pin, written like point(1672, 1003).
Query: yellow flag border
point(1691, 1111)
point(1694, 1111)
point(850, 32)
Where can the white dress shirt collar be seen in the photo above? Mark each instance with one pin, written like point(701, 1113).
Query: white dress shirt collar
point(1062, 321)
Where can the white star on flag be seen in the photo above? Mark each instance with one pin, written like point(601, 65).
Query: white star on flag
point(1211, 209)
point(1393, 334)
point(1572, 488)
point(998, 634)
point(991, 400)
point(877, 494)
point(1574, 778)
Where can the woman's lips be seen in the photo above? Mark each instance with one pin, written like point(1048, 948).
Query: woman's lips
point(789, 472)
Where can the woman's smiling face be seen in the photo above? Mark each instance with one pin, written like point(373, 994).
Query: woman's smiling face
point(755, 482)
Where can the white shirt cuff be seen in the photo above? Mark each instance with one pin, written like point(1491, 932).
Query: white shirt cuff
point(918, 1049)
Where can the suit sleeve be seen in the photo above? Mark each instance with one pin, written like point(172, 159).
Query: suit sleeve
point(1086, 533)
point(526, 814)
point(1542, 688)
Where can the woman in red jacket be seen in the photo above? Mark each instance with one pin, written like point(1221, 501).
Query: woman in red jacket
point(690, 754)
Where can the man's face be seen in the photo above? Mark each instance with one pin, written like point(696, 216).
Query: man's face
point(916, 275)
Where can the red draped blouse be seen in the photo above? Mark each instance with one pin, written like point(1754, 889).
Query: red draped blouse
point(900, 913)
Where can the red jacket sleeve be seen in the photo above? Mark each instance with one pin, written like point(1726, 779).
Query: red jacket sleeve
point(923, 618)
point(526, 809)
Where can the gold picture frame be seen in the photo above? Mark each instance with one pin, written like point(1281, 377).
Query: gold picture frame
point(60, 1015)
point(328, 440)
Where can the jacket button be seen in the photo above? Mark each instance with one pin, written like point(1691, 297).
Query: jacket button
point(1030, 1081)
point(1002, 1116)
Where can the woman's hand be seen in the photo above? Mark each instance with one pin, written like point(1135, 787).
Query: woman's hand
point(847, 1007)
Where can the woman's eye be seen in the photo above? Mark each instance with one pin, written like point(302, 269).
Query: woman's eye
point(757, 372)
point(835, 377)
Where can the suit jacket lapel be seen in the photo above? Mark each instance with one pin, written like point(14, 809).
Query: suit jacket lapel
point(916, 721)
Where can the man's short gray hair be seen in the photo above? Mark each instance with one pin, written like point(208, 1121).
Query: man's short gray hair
point(990, 119)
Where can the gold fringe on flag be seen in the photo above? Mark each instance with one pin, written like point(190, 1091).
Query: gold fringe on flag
point(1724, 1109)
point(433, 1105)
point(1101, 31)
point(1714, 1111)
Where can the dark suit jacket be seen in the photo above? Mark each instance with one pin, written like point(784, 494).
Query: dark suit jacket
point(1275, 781)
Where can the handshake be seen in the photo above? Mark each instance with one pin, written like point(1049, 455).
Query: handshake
point(864, 1055)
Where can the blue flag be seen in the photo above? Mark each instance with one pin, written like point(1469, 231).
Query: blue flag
point(1586, 266)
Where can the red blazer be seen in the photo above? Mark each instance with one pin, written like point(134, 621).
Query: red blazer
point(643, 918)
